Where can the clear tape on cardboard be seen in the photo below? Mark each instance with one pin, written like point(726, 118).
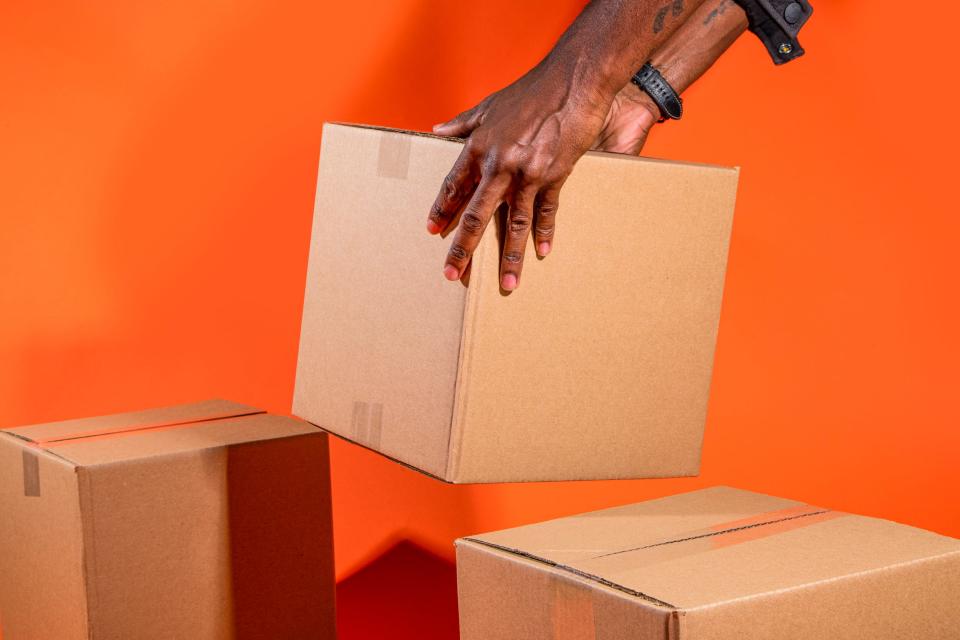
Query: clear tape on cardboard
point(750, 528)
point(31, 474)
point(393, 156)
point(367, 423)
point(572, 611)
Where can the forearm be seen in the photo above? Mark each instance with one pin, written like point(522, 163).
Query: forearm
point(684, 57)
point(611, 39)
point(699, 42)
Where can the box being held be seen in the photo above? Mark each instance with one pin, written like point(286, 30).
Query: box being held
point(717, 564)
point(203, 521)
point(598, 366)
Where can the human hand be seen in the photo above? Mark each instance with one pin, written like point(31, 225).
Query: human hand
point(631, 116)
point(523, 143)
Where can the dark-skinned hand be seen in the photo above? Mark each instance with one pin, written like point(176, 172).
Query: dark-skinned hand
point(631, 116)
point(523, 143)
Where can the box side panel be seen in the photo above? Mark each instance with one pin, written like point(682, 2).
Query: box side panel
point(380, 338)
point(157, 542)
point(198, 544)
point(504, 597)
point(41, 552)
point(599, 365)
point(916, 600)
point(281, 539)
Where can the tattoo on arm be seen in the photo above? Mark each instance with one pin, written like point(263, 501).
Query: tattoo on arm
point(659, 20)
point(717, 11)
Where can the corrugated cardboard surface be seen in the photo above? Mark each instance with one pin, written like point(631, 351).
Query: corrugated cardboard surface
point(381, 329)
point(733, 564)
point(41, 548)
point(597, 367)
point(500, 598)
point(218, 528)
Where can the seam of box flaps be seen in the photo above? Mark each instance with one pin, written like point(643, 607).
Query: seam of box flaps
point(712, 534)
point(575, 571)
point(44, 443)
point(628, 590)
point(213, 446)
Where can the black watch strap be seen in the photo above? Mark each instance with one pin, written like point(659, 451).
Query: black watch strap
point(777, 23)
point(660, 91)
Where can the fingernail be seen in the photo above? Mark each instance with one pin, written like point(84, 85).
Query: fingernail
point(438, 125)
point(433, 227)
point(450, 272)
point(509, 282)
point(543, 248)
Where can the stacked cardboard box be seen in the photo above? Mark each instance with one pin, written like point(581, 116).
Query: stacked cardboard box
point(212, 520)
point(201, 521)
point(718, 564)
point(598, 366)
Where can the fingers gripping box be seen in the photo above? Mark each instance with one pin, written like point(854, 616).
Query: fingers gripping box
point(598, 366)
point(203, 521)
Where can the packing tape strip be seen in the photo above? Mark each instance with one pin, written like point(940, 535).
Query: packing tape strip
point(99, 434)
point(724, 528)
point(31, 474)
point(749, 534)
point(711, 541)
point(393, 157)
point(572, 611)
point(367, 423)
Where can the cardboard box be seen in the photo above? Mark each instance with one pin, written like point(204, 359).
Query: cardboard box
point(202, 521)
point(598, 366)
point(718, 564)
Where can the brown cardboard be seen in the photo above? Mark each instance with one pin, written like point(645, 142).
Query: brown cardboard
point(716, 564)
point(598, 366)
point(202, 521)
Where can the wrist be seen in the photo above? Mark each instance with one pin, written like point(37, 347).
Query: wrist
point(647, 108)
point(660, 91)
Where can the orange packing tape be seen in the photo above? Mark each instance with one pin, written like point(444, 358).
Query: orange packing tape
point(749, 534)
point(573, 617)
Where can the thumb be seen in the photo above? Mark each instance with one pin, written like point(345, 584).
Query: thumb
point(462, 125)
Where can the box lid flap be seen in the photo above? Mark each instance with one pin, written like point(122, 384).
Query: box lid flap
point(132, 421)
point(718, 545)
point(125, 436)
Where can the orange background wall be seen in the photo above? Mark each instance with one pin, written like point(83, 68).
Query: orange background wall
point(157, 167)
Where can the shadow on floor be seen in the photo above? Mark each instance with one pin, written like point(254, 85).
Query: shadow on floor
point(406, 593)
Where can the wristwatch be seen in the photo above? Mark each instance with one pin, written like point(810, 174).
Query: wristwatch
point(777, 23)
point(656, 86)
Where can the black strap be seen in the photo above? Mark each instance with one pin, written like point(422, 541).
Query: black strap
point(660, 91)
point(777, 23)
